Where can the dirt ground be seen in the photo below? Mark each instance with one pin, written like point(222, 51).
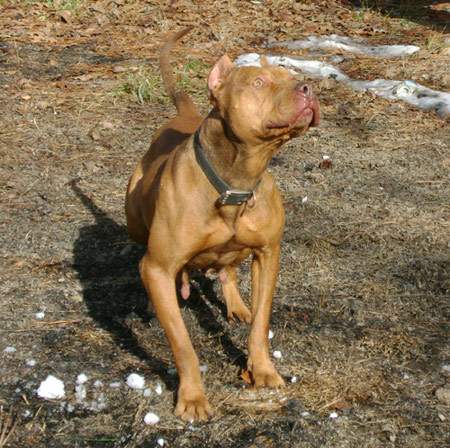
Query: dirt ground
point(361, 310)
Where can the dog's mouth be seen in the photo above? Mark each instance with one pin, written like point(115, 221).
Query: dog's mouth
point(306, 115)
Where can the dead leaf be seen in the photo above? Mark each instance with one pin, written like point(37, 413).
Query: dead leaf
point(65, 16)
point(119, 69)
point(95, 135)
point(325, 164)
point(106, 124)
point(341, 405)
point(246, 376)
point(102, 19)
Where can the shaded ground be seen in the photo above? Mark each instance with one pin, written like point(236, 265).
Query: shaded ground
point(361, 310)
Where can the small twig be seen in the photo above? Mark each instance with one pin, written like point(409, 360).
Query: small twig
point(7, 427)
point(59, 322)
point(225, 399)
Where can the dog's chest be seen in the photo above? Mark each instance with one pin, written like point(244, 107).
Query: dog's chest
point(230, 242)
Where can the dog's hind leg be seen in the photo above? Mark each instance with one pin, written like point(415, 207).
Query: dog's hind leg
point(236, 307)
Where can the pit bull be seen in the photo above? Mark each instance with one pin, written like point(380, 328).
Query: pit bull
point(201, 199)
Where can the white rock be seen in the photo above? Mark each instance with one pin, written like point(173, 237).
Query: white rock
point(80, 392)
point(325, 157)
point(271, 335)
point(9, 349)
point(344, 43)
point(158, 388)
point(26, 413)
point(40, 315)
point(443, 395)
point(294, 379)
point(151, 419)
point(160, 441)
point(304, 199)
point(115, 385)
point(30, 362)
point(277, 354)
point(147, 392)
point(334, 415)
point(82, 378)
point(98, 383)
point(135, 381)
point(305, 414)
point(51, 388)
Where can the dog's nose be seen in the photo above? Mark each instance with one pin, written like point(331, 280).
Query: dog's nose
point(304, 88)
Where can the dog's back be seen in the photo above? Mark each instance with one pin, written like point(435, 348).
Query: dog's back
point(170, 136)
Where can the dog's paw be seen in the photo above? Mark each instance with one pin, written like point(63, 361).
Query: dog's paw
point(266, 376)
point(192, 406)
point(240, 312)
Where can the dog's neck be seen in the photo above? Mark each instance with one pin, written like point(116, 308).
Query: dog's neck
point(239, 164)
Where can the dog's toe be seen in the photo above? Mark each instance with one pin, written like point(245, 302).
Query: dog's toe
point(266, 376)
point(242, 313)
point(194, 408)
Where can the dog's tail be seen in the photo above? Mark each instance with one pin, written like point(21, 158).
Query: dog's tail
point(181, 100)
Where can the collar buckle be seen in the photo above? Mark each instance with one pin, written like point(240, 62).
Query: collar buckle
point(234, 197)
point(228, 195)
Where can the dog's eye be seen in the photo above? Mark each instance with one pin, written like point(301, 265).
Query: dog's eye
point(258, 82)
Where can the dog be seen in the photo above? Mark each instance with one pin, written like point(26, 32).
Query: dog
point(201, 198)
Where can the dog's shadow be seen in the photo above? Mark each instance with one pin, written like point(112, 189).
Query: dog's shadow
point(106, 262)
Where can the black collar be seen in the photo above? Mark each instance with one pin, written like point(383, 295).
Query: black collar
point(228, 195)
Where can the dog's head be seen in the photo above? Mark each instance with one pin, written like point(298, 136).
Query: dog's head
point(262, 104)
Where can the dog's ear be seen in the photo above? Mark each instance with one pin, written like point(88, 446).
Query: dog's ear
point(219, 73)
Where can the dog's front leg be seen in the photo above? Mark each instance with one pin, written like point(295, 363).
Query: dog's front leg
point(264, 275)
point(160, 286)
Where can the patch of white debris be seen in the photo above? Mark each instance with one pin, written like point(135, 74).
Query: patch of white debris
point(147, 392)
point(406, 90)
point(343, 43)
point(135, 381)
point(151, 418)
point(80, 393)
point(30, 362)
point(82, 378)
point(160, 441)
point(115, 385)
point(9, 349)
point(334, 415)
point(158, 389)
point(271, 335)
point(277, 354)
point(40, 315)
point(98, 404)
point(51, 388)
point(294, 379)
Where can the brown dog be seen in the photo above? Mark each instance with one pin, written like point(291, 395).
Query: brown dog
point(201, 198)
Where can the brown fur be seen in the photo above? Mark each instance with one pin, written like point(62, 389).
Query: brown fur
point(170, 206)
